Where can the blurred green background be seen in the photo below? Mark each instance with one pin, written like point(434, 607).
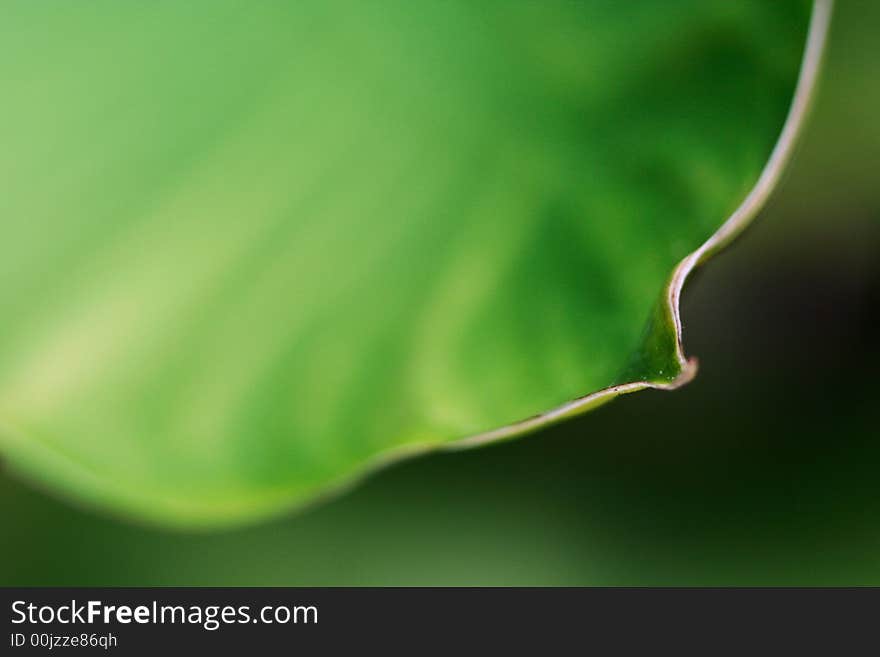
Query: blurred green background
point(762, 471)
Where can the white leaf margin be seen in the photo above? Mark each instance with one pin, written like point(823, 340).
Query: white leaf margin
point(737, 222)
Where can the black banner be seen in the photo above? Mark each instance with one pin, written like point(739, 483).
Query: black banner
point(150, 621)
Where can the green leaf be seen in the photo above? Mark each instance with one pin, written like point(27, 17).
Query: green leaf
point(252, 249)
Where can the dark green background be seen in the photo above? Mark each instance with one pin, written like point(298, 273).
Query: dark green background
point(762, 471)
